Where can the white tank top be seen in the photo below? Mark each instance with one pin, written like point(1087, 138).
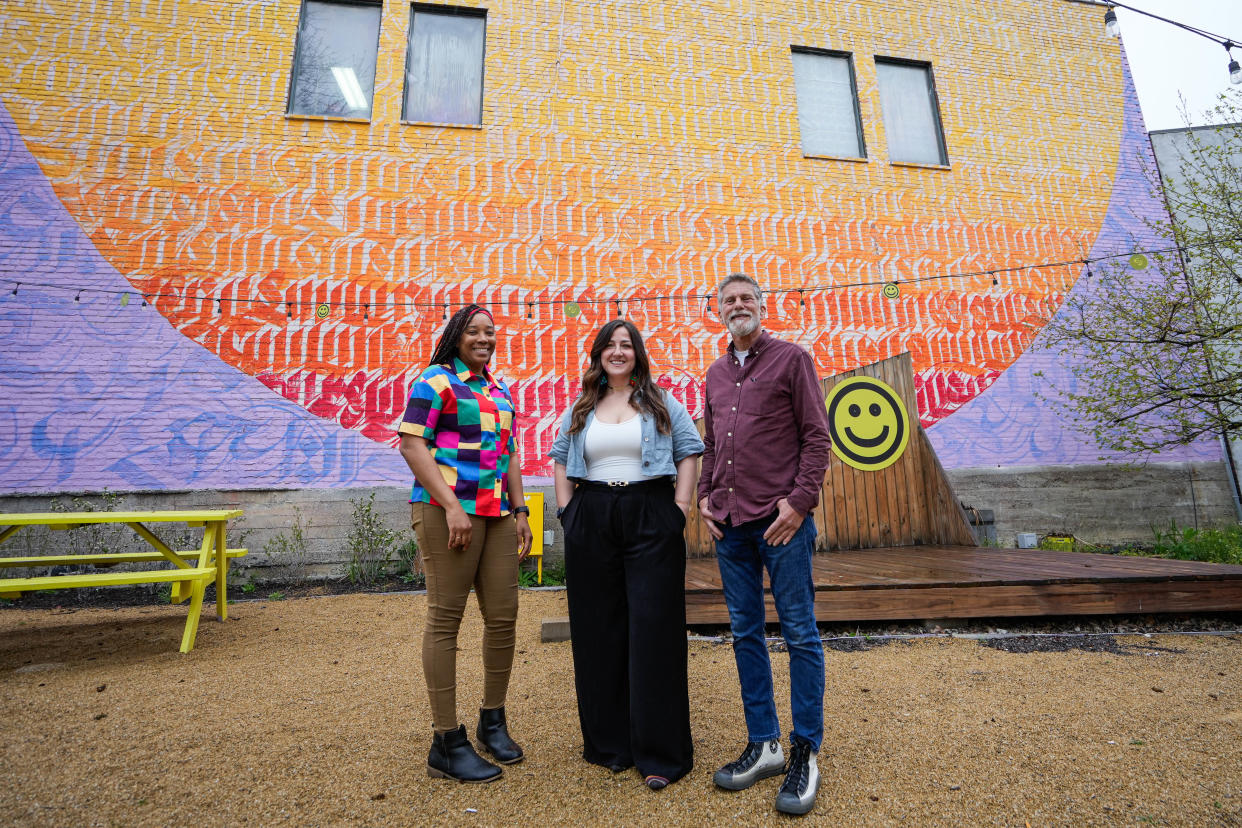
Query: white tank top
point(614, 451)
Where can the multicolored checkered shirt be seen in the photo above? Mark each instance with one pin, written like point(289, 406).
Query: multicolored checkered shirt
point(468, 420)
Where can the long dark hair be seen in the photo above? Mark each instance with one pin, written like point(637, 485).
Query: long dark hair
point(446, 347)
point(646, 396)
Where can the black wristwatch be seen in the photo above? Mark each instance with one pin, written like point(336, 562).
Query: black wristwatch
point(560, 510)
point(521, 510)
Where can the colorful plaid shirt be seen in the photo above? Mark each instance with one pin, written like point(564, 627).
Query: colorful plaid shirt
point(468, 420)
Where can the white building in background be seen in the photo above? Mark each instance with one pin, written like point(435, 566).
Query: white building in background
point(1175, 151)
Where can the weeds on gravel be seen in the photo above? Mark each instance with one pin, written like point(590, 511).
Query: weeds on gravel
point(290, 550)
point(408, 569)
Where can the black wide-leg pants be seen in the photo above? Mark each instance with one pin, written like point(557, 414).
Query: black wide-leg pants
point(625, 567)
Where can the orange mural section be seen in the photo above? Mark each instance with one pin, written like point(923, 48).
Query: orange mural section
point(630, 155)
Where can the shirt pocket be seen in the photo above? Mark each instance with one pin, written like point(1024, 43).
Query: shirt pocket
point(764, 397)
point(660, 453)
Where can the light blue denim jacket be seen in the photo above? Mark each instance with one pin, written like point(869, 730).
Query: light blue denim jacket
point(661, 452)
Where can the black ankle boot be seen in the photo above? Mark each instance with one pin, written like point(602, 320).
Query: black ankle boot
point(453, 757)
point(494, 737)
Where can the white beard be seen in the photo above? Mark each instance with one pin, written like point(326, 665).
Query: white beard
point(740, 327)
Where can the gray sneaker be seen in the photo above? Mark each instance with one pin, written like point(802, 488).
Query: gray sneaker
point(758, 761)
point(797, 794)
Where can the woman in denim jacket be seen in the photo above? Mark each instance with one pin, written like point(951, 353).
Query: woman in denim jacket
point(626, 470)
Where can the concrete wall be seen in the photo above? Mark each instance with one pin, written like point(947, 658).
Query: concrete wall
point(1104, 504)
point(326, 517)
point(1097, 503)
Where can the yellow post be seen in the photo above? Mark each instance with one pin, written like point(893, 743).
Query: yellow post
point(535, 501)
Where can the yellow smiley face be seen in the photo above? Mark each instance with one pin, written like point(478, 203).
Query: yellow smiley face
point(868, 423)
point(891, 290)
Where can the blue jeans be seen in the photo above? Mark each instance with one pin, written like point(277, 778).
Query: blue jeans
point(742, 555)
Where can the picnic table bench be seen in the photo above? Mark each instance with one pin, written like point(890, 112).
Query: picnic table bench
point(191, 569)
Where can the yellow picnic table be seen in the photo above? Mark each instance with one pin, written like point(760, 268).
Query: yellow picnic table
point(192, 570)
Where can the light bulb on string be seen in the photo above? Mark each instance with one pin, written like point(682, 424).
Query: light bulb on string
point(78, 298)
point(1111, 27)
point(995, 281)
point(1235, 71)
point(445, 317)
point(366, 312)
point(15, 287)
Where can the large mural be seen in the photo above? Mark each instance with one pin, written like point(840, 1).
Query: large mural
point(198, 291)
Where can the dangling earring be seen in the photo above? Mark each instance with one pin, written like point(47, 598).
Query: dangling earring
point(633, 380)
point(603, 379)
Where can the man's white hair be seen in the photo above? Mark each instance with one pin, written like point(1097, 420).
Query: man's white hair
point(739, 277)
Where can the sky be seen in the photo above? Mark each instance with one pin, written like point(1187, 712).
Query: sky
point(1166, 60)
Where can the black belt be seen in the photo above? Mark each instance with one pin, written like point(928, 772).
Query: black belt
point(624, 485)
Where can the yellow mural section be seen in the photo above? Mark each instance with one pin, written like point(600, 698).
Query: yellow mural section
point(629, 151)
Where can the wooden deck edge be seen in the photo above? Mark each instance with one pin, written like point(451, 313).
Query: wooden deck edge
point(1095, 598)
point(1026, 582)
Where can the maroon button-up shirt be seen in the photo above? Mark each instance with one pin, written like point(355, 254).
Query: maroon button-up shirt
point(766, 432)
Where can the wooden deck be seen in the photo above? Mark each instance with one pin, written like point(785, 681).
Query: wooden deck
point(924, 582)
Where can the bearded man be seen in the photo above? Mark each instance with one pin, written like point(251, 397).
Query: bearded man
point(767, 448)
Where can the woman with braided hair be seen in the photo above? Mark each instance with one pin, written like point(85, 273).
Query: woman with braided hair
point(470, 516)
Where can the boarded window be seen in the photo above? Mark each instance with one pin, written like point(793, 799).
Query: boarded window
point(444, 65)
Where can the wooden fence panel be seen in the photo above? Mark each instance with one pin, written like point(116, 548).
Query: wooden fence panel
point(908, 503)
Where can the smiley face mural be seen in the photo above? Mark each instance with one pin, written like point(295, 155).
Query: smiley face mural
point(868, 423)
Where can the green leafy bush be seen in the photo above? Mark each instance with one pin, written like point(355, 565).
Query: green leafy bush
point(1218, 545)
point(371, 544)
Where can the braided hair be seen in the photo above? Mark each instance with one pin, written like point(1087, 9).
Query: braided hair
point(446, 347)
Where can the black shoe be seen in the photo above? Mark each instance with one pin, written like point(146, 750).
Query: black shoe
point(758, 761)
point(453, 757)
point(797, 794)
point(493, 736)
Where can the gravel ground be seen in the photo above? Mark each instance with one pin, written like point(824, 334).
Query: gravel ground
point(312, 712)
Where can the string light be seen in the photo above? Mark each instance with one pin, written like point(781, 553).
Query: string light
point(1113, 29)
point(219, 307)
point(366, 311)
point(568, 301)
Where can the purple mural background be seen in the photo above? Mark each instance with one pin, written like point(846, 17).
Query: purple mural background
point(1008, 425)
point(99, 394)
